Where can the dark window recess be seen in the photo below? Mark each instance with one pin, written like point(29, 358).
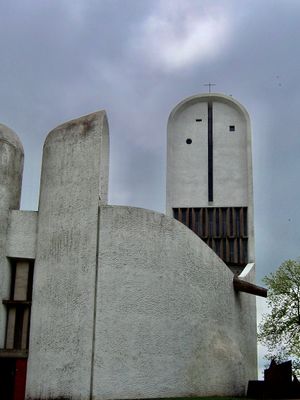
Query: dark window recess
point(188, 141)
point(224, 229)
point(198, 119)
point(19, 305)
point(231, 128)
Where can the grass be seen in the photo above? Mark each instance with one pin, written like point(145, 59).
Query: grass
point(207, 398)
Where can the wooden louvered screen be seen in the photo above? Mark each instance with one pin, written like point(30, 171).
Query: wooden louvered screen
point(224, 229)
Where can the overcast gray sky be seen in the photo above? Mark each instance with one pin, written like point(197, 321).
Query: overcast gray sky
point(137, 59)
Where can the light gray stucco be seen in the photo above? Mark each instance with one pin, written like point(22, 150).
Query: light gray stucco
point(22, 234)
point(168, 322)
point(64, 278)
point(11, 170)
point(187, 164)
point(127, 302)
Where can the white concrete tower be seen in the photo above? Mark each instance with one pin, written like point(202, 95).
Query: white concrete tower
point(209, 174)
point(11, 171)
point(74, 183)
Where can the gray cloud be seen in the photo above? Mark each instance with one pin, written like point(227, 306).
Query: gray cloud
point(137, 59)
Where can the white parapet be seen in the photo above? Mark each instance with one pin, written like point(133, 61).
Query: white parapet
point(22, 234)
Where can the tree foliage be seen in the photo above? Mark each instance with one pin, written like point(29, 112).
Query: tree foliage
point(279, 330)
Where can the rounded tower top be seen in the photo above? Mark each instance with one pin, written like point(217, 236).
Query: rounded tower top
point(8, 135)
point(80, 125)
point(209, 97)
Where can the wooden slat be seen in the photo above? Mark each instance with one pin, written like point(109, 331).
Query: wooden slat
point(7, 353)
point(179, 215)
point(25, 329)
point(187, 217)
point(230, 230)
point(194, 221)
point(16, 302)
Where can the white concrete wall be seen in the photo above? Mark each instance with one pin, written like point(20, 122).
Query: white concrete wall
point(187, 164)
point(73, 176)
point(248, 320)
point(22, 234)
point(168, 322)
point(230, 156)
point(11, 170)
point(127, 303)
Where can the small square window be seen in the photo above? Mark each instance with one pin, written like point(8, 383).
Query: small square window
point(231, 128)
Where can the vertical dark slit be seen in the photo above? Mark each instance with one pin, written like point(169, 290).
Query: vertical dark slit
point(237, 221)
point(18, 327)
point(230, 210)
point(175, 213)
point(210, 151)
point(13, 278)
point(245, 222)
point(197, 219)
point(191, 219)
point(30, 281)
point(183, 219)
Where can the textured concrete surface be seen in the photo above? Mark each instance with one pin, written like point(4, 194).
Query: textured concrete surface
point(22, 234)
point(166, 319)
point(127, 303)
point(168, 322)
point(11, 170)
point(74, 172)
point(187, 164)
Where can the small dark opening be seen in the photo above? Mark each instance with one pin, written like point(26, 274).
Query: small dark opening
point(18, 328)
point(198, 119)
point(231, 128)
point(188, 141)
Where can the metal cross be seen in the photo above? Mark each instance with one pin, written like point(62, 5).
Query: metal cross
point(209, 86)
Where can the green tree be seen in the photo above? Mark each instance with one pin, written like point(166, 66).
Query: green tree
point(279, 330)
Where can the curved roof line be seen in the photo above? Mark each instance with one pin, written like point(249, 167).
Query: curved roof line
point(210, 96)
point(85, 119)
point(9, 136)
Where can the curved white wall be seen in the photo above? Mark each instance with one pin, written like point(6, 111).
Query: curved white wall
point(11, 171)
point(166, 321)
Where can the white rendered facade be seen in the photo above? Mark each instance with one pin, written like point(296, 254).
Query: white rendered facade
point(230, 166)
point(128, 303)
